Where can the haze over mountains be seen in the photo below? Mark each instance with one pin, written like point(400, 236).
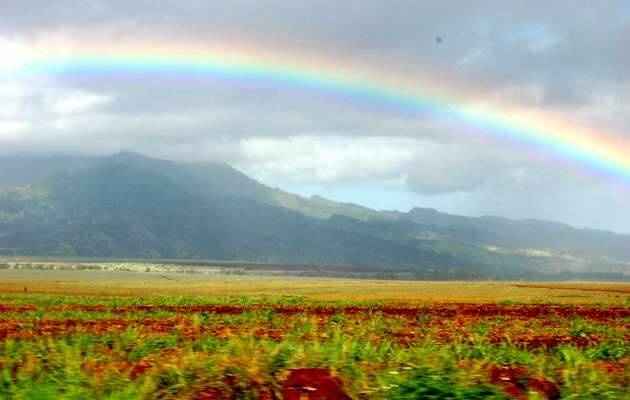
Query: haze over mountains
point(130, 206)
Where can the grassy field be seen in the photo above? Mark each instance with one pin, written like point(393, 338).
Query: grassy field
point(165, 335)
point(131, 283)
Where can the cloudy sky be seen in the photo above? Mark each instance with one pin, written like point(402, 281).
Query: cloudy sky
point(569, 59)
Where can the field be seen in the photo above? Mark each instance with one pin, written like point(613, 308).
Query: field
point(165, 335)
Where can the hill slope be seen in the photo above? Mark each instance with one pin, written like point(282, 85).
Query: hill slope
point(130, 206)
point(526, 234)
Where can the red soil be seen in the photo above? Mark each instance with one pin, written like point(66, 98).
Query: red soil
point(313, 384)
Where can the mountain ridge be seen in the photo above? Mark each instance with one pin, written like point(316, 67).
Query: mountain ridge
point(130, 205)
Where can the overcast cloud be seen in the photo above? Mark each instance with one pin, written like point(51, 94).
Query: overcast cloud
point(570, 58)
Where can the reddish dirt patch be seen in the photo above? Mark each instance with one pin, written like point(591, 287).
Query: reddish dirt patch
point(618, 367)
point(524, 311)
point(515, 375)
point(404, 338)
point(15, 329)
point(272, 334)
point(140, 368)
point(313, 384)
point(513, 380)
point(225, 332)
point(544, 387)
point(207, 393)
point(516, 382)
point(8, 307)
point(534, 341)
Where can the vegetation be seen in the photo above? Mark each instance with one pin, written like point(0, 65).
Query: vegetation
point(56, 346)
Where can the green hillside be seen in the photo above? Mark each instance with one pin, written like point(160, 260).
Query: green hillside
point(130, 206)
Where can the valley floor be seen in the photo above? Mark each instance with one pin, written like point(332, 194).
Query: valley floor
point(216, 283)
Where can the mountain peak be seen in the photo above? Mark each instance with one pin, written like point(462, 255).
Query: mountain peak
point(126, 155)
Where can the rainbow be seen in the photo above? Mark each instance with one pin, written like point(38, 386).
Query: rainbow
point(544, 135)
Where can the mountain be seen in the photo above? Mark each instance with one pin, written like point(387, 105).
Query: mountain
point(531, 233)
point(22, 170)
point(130, 206)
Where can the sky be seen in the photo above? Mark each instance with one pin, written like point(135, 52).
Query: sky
point(565, 60)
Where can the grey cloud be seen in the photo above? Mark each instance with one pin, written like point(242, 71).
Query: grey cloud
point(565, 56)
point(582, 45)
point(451, 168)
point(583, 41)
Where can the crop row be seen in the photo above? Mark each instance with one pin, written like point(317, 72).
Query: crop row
point(174, 349)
